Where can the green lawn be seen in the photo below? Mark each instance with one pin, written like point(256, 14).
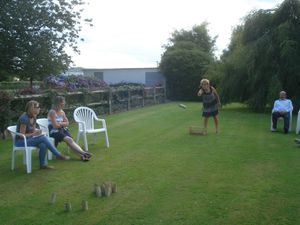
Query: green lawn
point(243, 175)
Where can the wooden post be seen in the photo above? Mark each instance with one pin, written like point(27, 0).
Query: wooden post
point(143, 96)
point(128, 100)
point(154, 94)
point(110, 101)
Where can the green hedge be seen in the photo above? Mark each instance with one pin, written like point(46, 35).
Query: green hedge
point(17, 84)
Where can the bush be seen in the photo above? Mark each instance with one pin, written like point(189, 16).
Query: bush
point(73, 83)
point(5, 112)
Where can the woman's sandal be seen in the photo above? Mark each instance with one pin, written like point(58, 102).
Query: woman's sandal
point(84, 158)
point(88, 155)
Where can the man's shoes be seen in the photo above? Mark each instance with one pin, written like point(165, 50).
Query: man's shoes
point(273, 129)
point(63, 157)
point(297, 140)
point(46, 167)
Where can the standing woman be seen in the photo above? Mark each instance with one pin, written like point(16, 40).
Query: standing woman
point(58, 122)
point(27, 126)
point(211, 103)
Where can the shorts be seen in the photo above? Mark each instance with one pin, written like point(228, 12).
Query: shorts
point(60, 135)
point(209, 114)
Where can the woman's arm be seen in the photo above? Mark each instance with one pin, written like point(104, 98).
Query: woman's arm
point(34, 133)
point(52, 117)
point(200, 92)
point(65, 120)
point(217, 95)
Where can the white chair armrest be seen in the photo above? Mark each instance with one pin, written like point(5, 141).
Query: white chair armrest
point(18, 134)
point(98, 119)
point(41, 125)
point(21, 135)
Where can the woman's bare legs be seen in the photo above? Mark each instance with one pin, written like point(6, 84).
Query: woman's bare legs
point(205, 121)
point(216, 123)
point(75, 147)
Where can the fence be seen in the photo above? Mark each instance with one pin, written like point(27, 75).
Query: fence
point(106, 101)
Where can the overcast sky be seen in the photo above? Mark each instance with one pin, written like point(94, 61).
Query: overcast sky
point(131, 33)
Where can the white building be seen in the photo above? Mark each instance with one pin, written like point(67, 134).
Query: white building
point(147, 76)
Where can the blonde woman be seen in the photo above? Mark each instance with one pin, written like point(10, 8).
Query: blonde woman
point(211, 103)
point(27, 126)
point(58, 122)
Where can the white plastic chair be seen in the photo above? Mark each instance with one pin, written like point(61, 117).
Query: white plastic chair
point(291, 120)
point(86, 118)
point(298, 123)
point(26, 149)
point(43, 123)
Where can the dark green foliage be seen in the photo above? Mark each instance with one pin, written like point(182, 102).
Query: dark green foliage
point(185, 61)
point(263, 57)
point(5, 112)
point(34, 35)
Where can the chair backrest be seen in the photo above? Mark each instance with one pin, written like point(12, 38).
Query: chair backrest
point(86, 115)
point(12, 130)
point(43, 123)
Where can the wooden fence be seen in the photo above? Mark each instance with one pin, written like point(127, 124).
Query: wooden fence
point(106, 101)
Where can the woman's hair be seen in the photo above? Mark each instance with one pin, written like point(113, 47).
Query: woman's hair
point(29, 106)
point(204, 81)
point(58, 100)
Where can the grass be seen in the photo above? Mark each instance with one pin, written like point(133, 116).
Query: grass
point(243, 175)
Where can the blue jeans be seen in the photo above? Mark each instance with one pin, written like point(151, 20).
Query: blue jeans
point(42, 142)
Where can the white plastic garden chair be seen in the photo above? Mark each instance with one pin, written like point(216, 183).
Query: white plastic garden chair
point(298, 123)
point(291, 120)
point(26, 149)
point(86, 118)
point(43, 123)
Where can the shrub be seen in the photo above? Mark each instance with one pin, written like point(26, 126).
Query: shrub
point(72, 83)
point(5, 112)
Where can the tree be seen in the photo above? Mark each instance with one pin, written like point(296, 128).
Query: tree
point(34, 36)
point(263, 57)
point(186, 58)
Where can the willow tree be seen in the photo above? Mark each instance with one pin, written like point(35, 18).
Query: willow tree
point(263, 57)
point(34, 36)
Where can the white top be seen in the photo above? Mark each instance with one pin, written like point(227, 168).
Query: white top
point(282, 105)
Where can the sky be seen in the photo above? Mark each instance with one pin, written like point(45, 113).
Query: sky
point(131, 33)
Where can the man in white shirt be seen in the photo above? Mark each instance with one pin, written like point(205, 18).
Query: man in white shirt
point(282, 108)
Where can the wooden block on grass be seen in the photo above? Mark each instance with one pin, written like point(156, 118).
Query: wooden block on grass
point(99, 192)
point(195, 130)
point(52, 198)
point(84, 205)
point(68, 207)
point(106, 189)
point(114, 188)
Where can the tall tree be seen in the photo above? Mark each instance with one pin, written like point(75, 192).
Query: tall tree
point(34, 36)
point(263, 57)
point(186, 58)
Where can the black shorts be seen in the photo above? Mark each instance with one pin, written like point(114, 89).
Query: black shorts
point(209, 114)
point(59, 136)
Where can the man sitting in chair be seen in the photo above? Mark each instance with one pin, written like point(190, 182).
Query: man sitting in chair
point(282, 108)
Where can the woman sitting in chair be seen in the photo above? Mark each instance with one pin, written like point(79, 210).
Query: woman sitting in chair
point(27, 126)
point(58, 122)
